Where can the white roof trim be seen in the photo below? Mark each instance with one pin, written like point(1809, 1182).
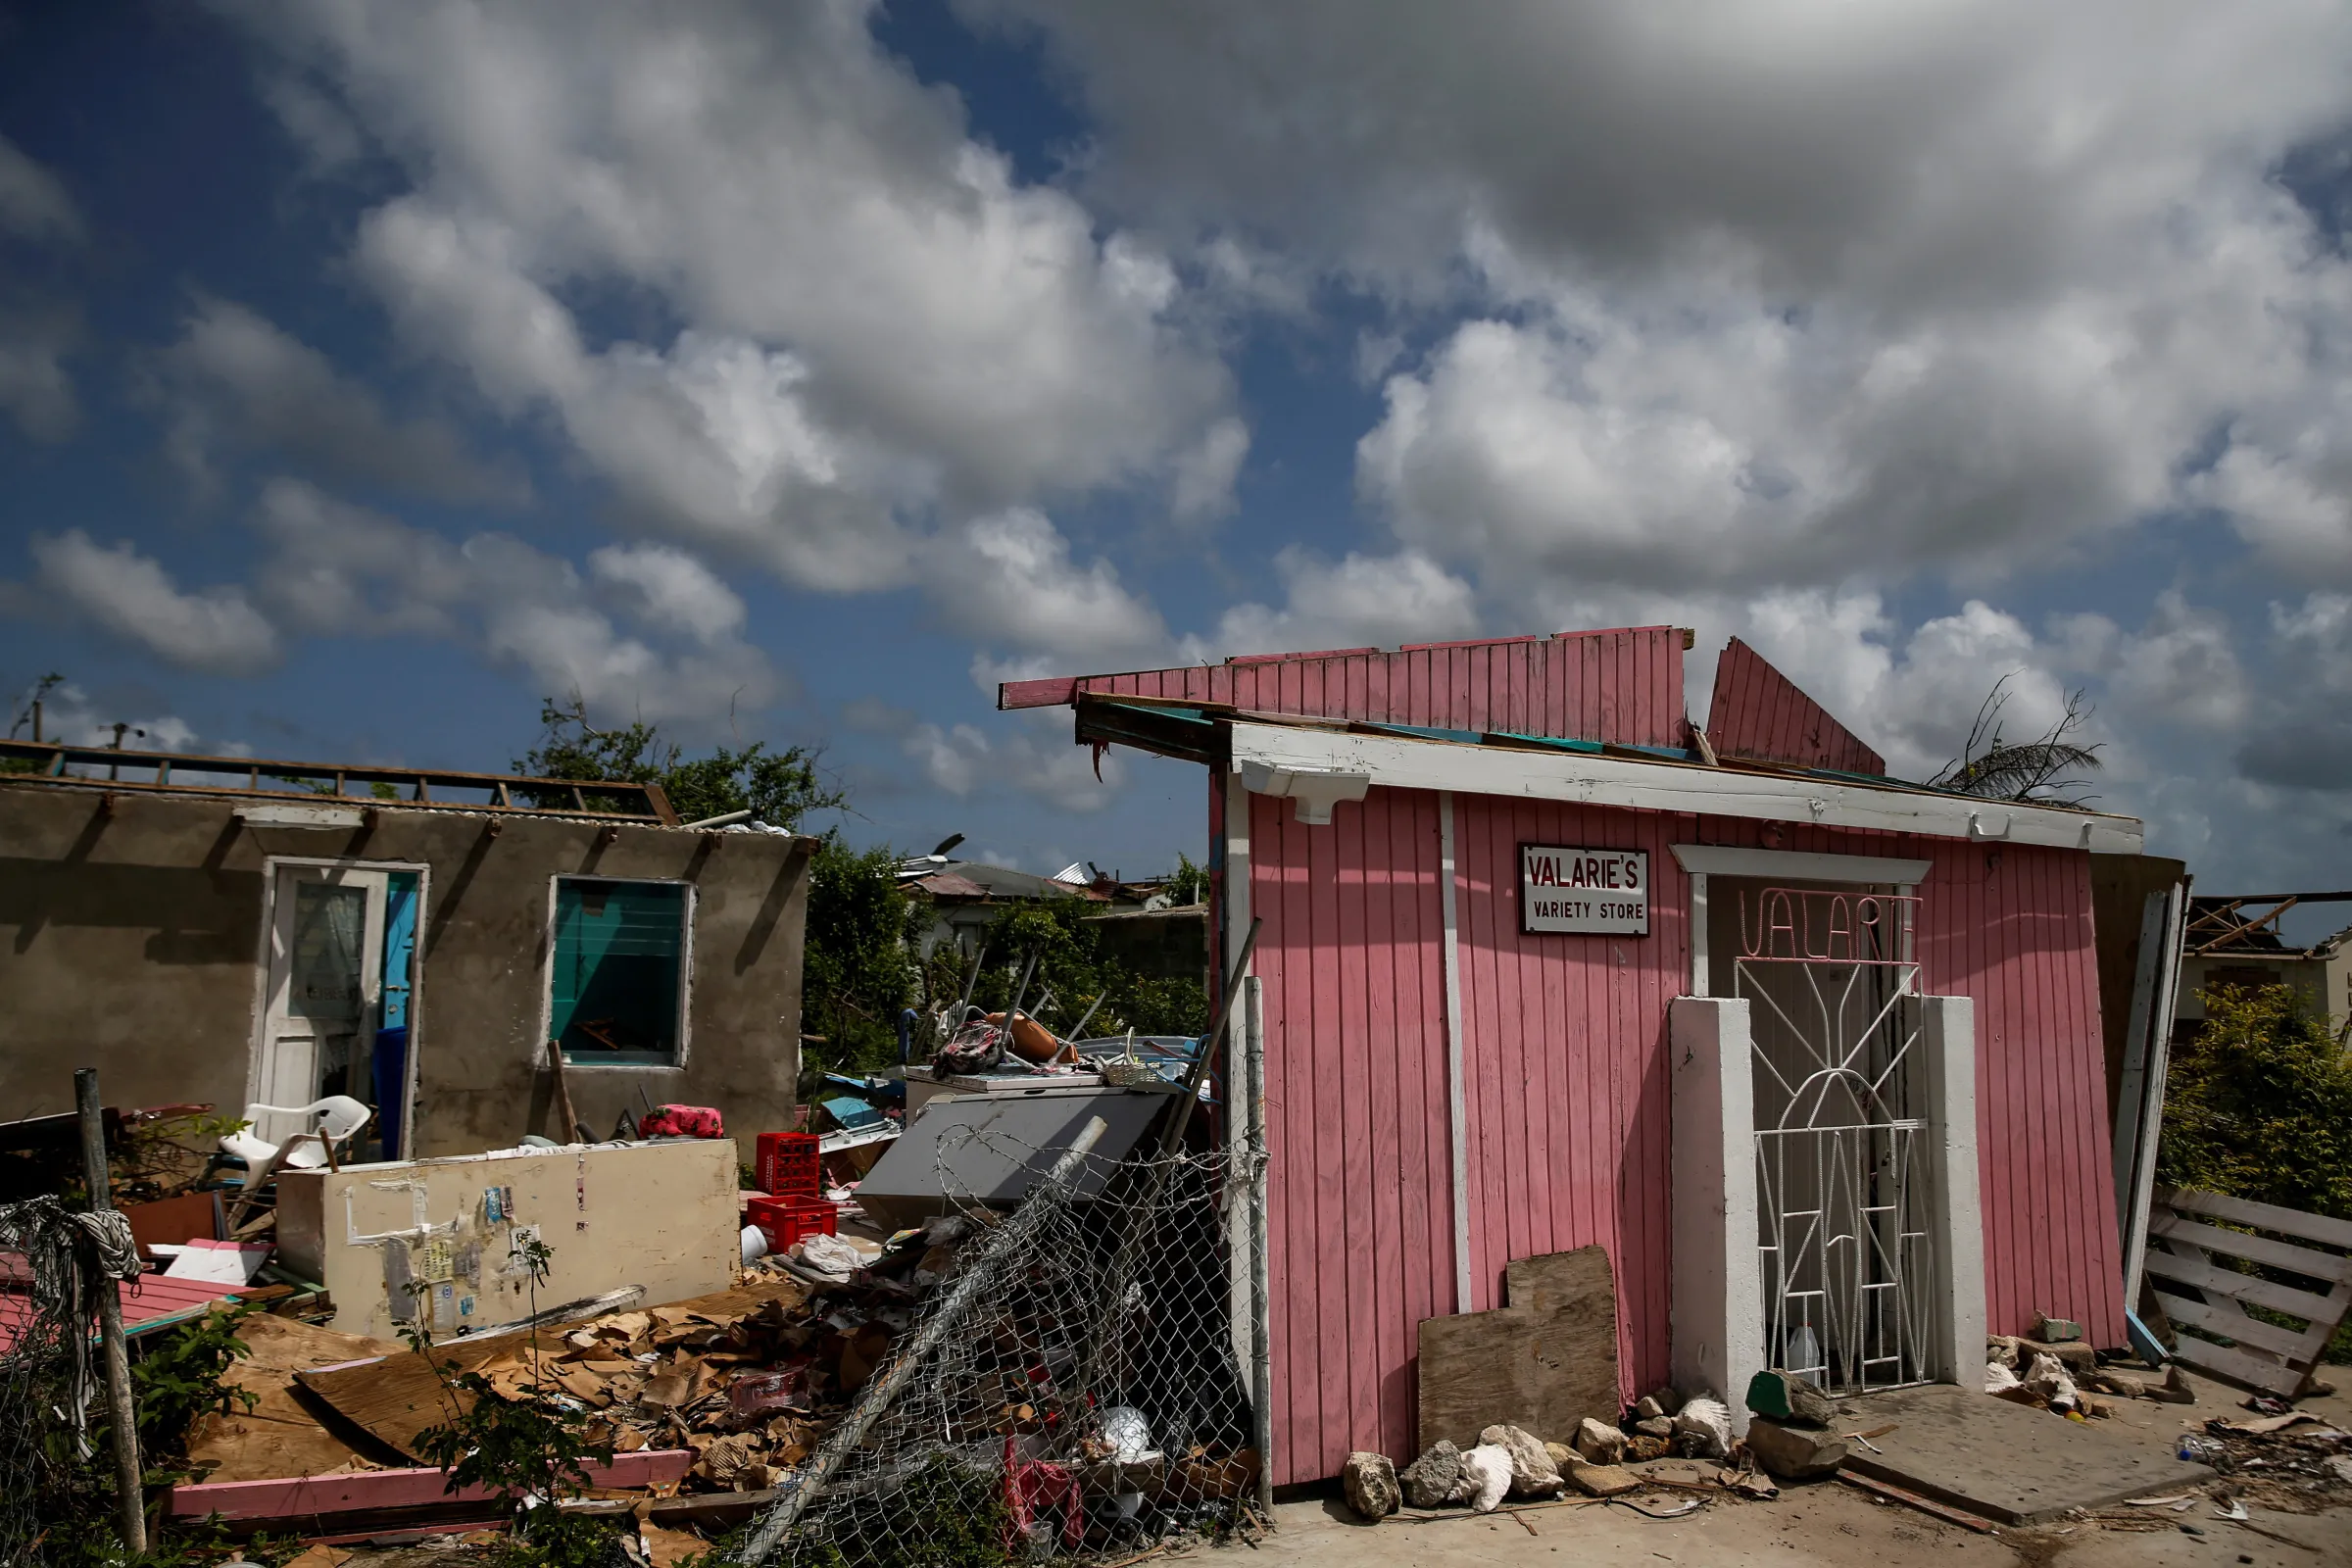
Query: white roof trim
point(1799, 866)
point(1401, 762)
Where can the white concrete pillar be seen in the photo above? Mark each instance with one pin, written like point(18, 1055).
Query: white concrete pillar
point(1717, 1298)
point(1947, 1067)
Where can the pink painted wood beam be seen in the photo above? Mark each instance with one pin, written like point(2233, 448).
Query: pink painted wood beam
point(366, 1491)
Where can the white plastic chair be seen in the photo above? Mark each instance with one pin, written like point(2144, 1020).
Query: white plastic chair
point(328, 1120)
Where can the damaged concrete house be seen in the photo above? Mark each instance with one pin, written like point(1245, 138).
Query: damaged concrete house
point(1816, 1055)
point(243, 933)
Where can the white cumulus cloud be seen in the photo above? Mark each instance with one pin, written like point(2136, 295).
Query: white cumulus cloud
point(215, 629)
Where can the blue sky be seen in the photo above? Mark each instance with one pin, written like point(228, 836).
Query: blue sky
point(367, 372)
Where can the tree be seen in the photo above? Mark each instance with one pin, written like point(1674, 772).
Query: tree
point(2259, 1105)
point(2038, 769)
point(858, 968)
point(777, 787)
point(1190, 883)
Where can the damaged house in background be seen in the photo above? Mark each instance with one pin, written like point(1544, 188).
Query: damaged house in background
point(1816, 1056)
point(271, 934)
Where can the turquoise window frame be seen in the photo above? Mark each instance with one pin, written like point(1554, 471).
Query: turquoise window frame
point(619, 955)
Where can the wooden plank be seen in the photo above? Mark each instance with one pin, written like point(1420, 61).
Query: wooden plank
point(2253, 1249)
point(279, 1435)
point(2236, 1366)
point(2263, 1216)
point(2197, 1272)
point(308, 1498)
point(1543, 1367)
point(2295, 1345)
point(394, 1398)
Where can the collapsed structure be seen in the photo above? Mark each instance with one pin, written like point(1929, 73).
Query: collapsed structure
point(1816, 1055)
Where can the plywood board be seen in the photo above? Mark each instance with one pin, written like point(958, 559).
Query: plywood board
point(2006, 1462)
point(280, 1435)
point(1545, 1363)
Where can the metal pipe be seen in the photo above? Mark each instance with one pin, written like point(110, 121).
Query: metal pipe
point(724, 819)
point(1208, 1045)
point(1008, 1238)
point(1261, 1293)
point(130, 1499)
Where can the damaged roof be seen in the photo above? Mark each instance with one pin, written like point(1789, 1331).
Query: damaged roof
point(2247, 926)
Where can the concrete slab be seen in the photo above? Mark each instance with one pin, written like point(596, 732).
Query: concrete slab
point(2005, 1462)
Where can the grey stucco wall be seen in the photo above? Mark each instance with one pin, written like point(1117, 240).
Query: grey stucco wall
point(131, 940)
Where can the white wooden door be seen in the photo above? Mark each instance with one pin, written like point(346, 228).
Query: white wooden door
point(326, 953)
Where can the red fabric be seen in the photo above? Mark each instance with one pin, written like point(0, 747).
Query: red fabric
point(682, 1121)
point(1031, 1491)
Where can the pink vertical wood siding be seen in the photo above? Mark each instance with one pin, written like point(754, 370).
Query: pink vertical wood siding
point(1757, 711)
point(1359, 1205)
point(1564, 1044)
point(1619, 686)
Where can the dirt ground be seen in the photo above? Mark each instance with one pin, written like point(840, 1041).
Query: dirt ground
point(1833, 1524)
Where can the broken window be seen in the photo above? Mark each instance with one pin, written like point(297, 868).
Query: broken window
point(617, 993)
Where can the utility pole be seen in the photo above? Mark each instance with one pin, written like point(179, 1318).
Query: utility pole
point(129, 1493)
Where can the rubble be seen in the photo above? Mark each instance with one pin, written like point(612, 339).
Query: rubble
point(1370, 1481)
point(1435, 1478)
point(1790, 1398)
point(1487, 1469)
point(1533, 1473)
point(1794, 1453)
point(1598, 1441)
point(1704, 1427)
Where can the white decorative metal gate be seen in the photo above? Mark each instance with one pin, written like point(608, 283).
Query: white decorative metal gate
point(1842, 1182)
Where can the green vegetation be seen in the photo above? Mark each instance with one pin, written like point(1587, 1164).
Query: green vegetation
point(1073, 970)
point(778, 788)
point(857, 969)
point(2259, 1105)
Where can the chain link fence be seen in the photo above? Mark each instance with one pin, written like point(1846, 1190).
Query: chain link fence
point(50, 1374)
point(1069, 1392)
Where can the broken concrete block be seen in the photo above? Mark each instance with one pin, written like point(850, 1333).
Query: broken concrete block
point(1533, 1472)
point(1794, 1453)
point(2056, 1330)
point(2174, 1389)
point(1435, 1478)
point(1655, 1427)
point(2047, 1381)
point(2122, 1384)
point(1603, 1480)
point(1371, 1483)
point(1488, 1470)
point(1787, 1397)
point(1704, 1427)
point(1598, 1441)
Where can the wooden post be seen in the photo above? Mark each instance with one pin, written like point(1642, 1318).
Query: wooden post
point(130, 1494)
point(560, 1105)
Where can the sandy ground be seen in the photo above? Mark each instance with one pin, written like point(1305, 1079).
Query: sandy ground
point(1826, 1523)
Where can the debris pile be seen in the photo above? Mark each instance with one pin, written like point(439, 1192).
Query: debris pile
point(2067, 1376)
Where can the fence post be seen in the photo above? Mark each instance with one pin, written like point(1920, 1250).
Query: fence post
point(130, 1493)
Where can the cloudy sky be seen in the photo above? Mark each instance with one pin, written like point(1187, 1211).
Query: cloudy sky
point(367, 371)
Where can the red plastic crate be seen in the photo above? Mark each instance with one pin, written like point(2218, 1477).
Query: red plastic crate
point(786, 1220)
point(785, 1164)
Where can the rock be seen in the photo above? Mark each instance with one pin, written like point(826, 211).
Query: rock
point(1666, 1399)
point(1600, 1443)
point(2174, 1389)
point(1645, 1447)
point(2122, 1384)
point(2019, 1394)
point(1563, 1456)
point(1533, 1472)
point(1786, 1398)
point(1702, 1429)
point(1648, 1408)
point(2056, 1330)
point(1657, 1425)
point(1435, 1478)
point(2079, 1359)
point(1371, 1483)
point(1603, 1480)
point(1487, 1469)
point(2098, 1409)
point(2003, 1349)
point(2049, 1380)
point(1999, 1378)
point(1794, 1453)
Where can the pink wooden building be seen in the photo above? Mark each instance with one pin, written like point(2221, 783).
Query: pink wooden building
point(1816, 1055)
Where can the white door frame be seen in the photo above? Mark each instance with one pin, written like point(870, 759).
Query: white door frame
point(266, 972)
